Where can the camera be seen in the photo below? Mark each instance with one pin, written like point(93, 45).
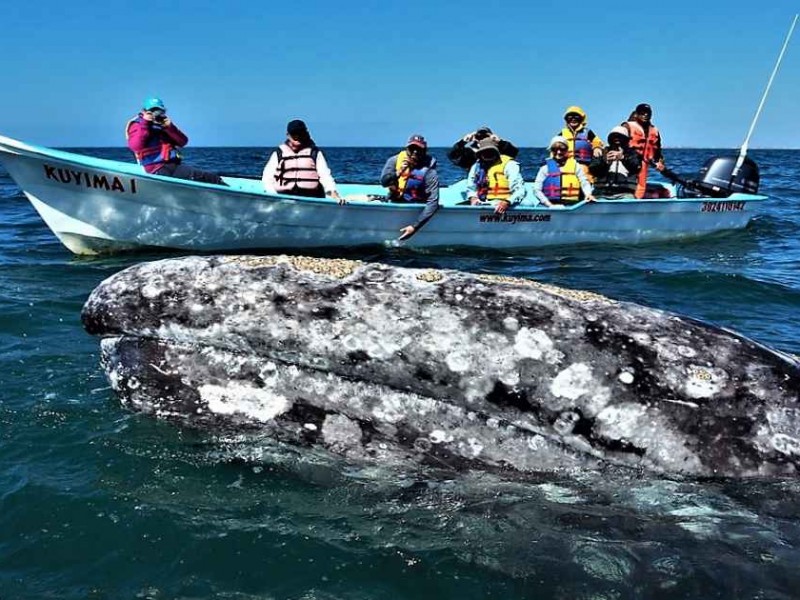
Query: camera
point(159, 117)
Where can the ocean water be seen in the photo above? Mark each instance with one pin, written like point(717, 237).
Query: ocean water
point(96, 502)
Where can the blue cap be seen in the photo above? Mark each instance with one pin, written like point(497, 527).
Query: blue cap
point(153, 102)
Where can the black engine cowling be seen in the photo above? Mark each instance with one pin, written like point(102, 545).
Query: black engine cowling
point(717, 179)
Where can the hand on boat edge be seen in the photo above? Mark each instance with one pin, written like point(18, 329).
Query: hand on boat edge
point(502, 206)
point(335, 195)
point(406, 232)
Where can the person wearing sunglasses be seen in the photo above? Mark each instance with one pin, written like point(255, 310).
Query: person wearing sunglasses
point(583, 143)
point(411, 177)
point(463, 152)
point(645, 138)
point(155, 142)
point(297, 167)
point(495, 178)
point(561, 181)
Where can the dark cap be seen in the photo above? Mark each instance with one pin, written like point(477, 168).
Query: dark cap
point(417, 140)
point(644, 108)
point(296, 127)
point(483, 130)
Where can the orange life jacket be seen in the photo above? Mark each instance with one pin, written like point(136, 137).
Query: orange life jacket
point(646, 146)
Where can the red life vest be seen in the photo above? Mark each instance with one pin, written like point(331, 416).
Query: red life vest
point(296, 170)
point(646, 146)
point(158, 150)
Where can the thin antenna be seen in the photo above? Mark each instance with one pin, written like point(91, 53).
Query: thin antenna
point(743, 151)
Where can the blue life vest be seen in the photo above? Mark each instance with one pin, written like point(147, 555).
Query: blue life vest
point(411, 184)
point(562, 184)
point(415, 186)
point(583, 148)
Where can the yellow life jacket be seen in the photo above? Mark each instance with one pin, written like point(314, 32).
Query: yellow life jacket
point(410, 182)
point(562, 184)
point(494, 186)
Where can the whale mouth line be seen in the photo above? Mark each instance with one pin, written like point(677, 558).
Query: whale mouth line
point(582, 439)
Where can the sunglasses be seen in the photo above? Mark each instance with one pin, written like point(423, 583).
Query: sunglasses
point(573, 117)
point(558, 150)
point(414, 150)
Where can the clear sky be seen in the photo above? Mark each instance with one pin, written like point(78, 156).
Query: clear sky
point(233, 72)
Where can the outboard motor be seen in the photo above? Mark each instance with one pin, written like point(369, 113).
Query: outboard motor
point(717, 179)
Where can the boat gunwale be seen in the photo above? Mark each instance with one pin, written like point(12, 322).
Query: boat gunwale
point(134, 170)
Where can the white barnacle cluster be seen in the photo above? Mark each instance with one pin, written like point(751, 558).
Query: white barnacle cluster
point(626, 377)
point(647, 429)
point(781, 431)
point(536, 344)
point(248, 400)
point(575, 382)
point(704, 382)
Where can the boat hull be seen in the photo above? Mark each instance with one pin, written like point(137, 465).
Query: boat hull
point(99, 206)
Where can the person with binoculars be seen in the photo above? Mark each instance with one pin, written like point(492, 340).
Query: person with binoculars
point(155, 141)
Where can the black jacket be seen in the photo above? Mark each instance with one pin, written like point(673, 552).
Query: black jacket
point(618, 180)
point(462, 154)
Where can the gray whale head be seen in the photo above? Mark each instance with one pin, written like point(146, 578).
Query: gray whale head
point(375, 362)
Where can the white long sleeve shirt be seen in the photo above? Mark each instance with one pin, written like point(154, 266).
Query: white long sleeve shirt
point(325, 175)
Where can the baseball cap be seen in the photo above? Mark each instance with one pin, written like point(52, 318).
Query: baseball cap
point(417, 140)
point(296, 127)
point(153, 102)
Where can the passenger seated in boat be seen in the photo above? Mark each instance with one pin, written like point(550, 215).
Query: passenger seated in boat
point(495, 178)
point(646, 140)
point(411, 177)
point(297, 167)
point(561, 180)
point(583, 143)
point(463, 152)
point(616, 170)
point(154, 140)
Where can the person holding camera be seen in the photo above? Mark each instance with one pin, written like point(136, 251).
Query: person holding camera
point(155, 141)
point(464, 152)
point(411, 177)
point(616, 171)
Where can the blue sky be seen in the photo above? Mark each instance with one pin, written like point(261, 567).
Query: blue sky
point(369, 73)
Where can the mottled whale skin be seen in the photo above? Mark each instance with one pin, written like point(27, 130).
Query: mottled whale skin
point(469, 371)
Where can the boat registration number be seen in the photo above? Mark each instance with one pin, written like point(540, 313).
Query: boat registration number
point(722, 206)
